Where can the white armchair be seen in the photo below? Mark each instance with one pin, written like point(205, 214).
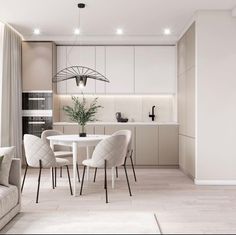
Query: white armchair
point(40, 155)
point(109, 153)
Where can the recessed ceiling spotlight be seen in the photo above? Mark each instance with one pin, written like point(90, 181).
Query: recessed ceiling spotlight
point(119, 31)
point(76, 31)
point(36, 31)
point(167, 31)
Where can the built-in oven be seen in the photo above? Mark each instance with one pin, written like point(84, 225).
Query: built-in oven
point(36, 125)
point(36, 112)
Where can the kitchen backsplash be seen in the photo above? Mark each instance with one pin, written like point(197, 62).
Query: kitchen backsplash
point(135, 108)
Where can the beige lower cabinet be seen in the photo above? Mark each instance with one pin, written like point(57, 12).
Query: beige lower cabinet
point(168, 147)
point(147, 145)
point(153, 145)
point(99, 130)
point(58, 128)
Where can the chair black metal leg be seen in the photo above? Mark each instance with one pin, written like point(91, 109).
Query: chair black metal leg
point(127, 178)
point(77, 168)
point(55, 182)
point(82, 183)
point(61, 172)
point(95, 174)
point(105, 168)
point(23, 182)
point(117, 172)
point(68, 173)
point(132, 164)
point(40, 169)
point(53, 178)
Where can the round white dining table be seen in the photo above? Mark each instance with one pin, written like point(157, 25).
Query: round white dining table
point(75, 141)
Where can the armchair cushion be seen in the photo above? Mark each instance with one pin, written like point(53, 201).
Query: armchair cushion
point(5, 166)
point(9, 197)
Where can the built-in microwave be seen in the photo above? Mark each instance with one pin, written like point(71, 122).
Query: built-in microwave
point(37, 100)
point(36, 112)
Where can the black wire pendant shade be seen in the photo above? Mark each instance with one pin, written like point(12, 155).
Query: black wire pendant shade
point(80, 74)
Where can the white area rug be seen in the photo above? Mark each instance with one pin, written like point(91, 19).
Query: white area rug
point(82, 223)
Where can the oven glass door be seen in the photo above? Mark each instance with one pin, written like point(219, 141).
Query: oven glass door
point(36, 125)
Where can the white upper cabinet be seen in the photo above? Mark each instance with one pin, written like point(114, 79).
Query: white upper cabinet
point(101, 68)
point(120, 69)
point(81, 56)
point(155, 69)
point(61, 64)
point(130, 69)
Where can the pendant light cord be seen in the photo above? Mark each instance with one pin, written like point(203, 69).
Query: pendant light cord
point(77, 36)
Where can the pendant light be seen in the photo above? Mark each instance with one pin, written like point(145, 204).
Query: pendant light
point(77, 72)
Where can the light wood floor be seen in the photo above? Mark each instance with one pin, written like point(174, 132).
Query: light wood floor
point(179, 205)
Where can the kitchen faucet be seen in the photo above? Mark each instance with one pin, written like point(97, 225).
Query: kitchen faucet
point(153, 113)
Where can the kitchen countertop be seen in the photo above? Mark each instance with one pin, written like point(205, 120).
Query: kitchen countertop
point(116, 123)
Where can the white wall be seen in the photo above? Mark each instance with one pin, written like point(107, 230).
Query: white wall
point(136, 108)
point(216, 98)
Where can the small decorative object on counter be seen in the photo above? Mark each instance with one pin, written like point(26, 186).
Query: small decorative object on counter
point(120, 119)
point(82, 112)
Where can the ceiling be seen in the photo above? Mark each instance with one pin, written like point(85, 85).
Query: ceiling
point(138, 18)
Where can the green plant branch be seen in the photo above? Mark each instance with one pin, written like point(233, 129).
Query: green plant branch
point(81, 112)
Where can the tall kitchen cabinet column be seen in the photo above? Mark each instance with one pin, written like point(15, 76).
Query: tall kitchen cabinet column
point(39, 61)
point(38, 65)
point(186, 101)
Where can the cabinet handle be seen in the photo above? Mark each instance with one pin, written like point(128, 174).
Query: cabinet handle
point(36, 99)
point(36, 123)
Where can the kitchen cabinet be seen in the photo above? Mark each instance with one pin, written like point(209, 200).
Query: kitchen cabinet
point(120, 69)
point(187, 155)
point(190, 102)
point(58, 128)
point(153, 145)
point(182, 112)
point(146, 145)
point(155, 69)
point(37, 65)
point(61, 64)
point(81, 56)
point(130, 69)
point(186, 101)
point(168, 146)
point(99, 130)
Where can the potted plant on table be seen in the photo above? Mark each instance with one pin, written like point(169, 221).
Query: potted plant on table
point(82, 112)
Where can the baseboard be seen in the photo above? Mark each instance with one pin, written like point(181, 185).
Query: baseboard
point(215, 182)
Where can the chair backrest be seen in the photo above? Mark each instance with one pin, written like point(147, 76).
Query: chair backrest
point(128, 135)
point(48, 133)
point(113, 149)
point(36, 149)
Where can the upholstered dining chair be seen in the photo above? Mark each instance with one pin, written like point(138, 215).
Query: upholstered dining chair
point(109, 153)
point(40, 155)
point(129, 154)
point(59, 151)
